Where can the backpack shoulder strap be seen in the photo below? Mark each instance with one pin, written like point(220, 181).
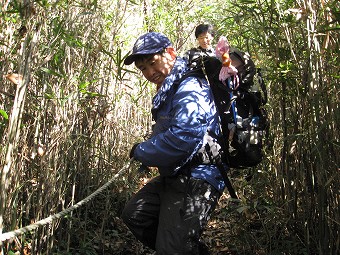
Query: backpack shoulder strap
point(198, 73)
point(191, 54)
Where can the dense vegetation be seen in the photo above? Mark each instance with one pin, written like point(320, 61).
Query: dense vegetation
point(70, 111)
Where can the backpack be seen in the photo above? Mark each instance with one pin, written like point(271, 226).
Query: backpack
point(243, 119)
point(246, 114)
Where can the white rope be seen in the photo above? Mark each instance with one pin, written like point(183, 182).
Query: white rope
point(50, 219)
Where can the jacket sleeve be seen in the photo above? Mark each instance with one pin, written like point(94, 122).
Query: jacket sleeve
point(188, 120)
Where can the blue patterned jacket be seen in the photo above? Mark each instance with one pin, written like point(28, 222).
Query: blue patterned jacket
point(183, 115)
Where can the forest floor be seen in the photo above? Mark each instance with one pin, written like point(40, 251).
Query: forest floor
point(218, 236)
point(215, 236)
point(231, 230)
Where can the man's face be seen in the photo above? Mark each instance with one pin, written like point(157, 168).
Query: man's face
point(157, 67)
point(205, 40)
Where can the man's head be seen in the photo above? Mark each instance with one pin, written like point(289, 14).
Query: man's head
point(204, 34)
point(154, 55)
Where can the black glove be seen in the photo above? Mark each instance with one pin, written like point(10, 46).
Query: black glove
point(143, 169)
point(133, 149)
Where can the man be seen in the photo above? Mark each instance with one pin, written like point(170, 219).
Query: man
point(170, 212)
point(204, 34)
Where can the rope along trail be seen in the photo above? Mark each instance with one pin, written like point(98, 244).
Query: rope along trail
point(50, 219)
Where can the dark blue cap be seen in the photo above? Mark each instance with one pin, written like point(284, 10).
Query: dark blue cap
point(149, 43)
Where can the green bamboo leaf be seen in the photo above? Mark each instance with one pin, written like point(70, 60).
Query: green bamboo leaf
point(93, 94)
point(49, 96)
point(82, 86)
point(4, 114)
point(49, 71)
point(247, 1)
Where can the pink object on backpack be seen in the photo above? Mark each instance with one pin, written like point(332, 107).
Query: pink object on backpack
point(223, 48)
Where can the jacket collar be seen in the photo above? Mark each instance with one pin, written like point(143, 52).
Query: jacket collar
point(176, 73)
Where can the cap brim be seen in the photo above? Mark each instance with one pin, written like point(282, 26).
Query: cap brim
point(130, 59)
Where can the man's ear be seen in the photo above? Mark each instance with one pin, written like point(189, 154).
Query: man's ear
point(172, 52)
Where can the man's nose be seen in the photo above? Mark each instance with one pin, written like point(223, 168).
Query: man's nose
point(148, 72)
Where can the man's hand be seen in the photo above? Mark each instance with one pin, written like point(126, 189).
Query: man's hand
point(133, 149)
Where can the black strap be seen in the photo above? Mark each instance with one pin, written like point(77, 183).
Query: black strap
point(224, 175)
point(227, 182)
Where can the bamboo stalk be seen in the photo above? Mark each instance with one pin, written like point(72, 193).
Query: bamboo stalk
point(15, 120)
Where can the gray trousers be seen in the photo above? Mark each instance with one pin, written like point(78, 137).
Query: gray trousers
point(169, 213)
